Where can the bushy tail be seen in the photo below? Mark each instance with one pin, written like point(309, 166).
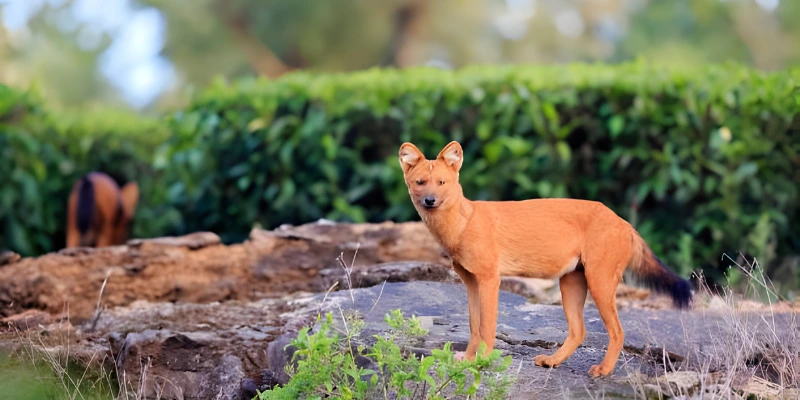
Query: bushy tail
point(85, 205)
point(656, 276)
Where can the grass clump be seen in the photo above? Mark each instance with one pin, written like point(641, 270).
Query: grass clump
point(753, 354)
point(40, 379)
point(334, 363)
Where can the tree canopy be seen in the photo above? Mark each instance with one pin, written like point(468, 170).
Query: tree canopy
point(68, 49)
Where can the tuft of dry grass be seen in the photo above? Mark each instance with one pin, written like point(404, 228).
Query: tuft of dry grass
point(48, 363)
point(754, 351)
point(46, 360)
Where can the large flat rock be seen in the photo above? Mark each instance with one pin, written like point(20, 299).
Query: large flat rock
point(652, 337)
point(228, 349)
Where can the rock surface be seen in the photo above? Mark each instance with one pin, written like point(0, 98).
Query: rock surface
point(190, 318)
point(226, 350)
point(8, 257)
point(198, 269)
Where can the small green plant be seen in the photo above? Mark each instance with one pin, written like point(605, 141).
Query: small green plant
point(330, 364)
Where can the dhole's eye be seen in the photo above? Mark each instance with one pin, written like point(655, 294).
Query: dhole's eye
point(420, 182)
point(441, 183)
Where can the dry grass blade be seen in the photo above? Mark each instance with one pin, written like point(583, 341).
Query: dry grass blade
point(348, 271)
point(97, 309)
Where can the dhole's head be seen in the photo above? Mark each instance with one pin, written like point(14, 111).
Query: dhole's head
point(432, 184)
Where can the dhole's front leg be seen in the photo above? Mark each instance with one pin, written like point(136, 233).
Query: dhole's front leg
point(488, 293)
point(474, 311)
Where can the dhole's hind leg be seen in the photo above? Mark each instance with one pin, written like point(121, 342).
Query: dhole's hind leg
point(105, 238)
point(573, 297)
point(602, 278)
point(73, 234)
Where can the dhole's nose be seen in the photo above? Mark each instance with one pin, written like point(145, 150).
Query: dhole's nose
point(429, 201)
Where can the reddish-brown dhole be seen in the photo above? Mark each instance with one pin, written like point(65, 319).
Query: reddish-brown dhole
point(582, 243)
point(99, 212)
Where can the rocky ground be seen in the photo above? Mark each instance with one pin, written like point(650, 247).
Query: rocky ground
point(190, 318)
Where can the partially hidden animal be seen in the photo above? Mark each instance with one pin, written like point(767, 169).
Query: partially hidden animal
point(99, 212)
point(584, 244)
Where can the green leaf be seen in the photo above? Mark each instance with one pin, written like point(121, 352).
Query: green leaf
point(550, 113)
point(615, 125)
point(475, 383)
point(745, 171)
point(564, 151)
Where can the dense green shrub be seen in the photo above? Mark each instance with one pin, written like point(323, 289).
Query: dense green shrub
point(700, 160)
point(42, 153)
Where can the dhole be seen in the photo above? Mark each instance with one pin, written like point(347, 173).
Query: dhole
point(99, 213)
point(583, 243)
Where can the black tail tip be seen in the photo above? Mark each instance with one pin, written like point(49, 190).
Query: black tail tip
point(681, 293)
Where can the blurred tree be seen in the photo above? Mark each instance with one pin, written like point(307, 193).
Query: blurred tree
point(688, 32)
point(232, 38)
point(58, 57)
point(197, 42)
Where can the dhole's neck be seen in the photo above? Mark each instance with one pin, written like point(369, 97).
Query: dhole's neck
point(447, 225)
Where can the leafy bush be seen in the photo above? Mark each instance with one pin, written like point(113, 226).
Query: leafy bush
point(702, 160)
point(327, 366)
point(42, 153)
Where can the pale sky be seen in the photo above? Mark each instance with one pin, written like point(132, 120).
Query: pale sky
point(132, 63)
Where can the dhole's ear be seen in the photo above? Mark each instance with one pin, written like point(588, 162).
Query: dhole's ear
point(130, 196)
point(409, 156)
point(452, 155)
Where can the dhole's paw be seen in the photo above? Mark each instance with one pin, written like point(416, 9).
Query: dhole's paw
point(545, 361)
point(598, 370)
point(462, 356)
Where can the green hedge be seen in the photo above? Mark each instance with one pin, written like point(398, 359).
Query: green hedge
point(42, 153)
point(701, 160)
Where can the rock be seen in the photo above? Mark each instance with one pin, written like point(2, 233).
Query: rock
point(8, 257)
point(279, 353)
point(192, 241)
point(539, 289)
point(198, 351)
point(225, 350)
point(400, 271)
point(226, 379)
point(268, 380)
point(526, 330)
point(196, 268)
point(30, 319)
point(249, 388)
